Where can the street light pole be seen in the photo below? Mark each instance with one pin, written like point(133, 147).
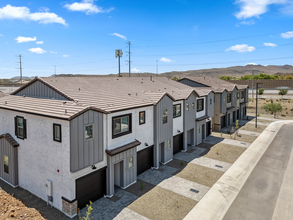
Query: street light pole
point(256, 104)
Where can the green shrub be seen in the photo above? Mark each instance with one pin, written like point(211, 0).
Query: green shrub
point(274, 108)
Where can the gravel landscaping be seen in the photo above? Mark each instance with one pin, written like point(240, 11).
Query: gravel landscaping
point(251, 127)
point(241, 137)
point(199, 174)
point(226, 153)
point(162, 204)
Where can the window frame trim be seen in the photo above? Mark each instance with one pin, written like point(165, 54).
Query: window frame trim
point(24, 128)
point(230, 95)
point(123, 133)
point(163, 115)
point(129, 168)
point(197, 105)
point(180, 111)
point(91, 124)
point(143, 117)
point(54, 138)
point(5, 165)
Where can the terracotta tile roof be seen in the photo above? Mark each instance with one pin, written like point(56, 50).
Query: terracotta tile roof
point(10, 139)
point(105, 94)
point(123, 148)
point(217, 85)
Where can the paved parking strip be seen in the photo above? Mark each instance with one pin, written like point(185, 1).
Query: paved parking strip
point(252, 133)
point(215, 140)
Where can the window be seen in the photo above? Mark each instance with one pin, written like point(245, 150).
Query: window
point(88, 132)
point(6, 165)
point(200, 103)
point(176, 110)
point(193, 105)
point(211, 101)
point(142, 117)
point(169, 144)
point(121, 125)
point(198, 129)
point(57, 132)
point(20, 127)
point(130, 162)
point(238, 95)
point(229, 98)
point(242, 94)
point(165, 116)
point(187, 106)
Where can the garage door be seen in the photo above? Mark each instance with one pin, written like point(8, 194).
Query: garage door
point(223, 121)
point(145, 159)
point(91, 187)
point(177, 143)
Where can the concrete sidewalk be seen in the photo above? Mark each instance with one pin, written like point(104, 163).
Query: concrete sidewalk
point(216, 203)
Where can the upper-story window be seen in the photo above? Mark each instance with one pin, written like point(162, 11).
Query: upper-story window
point(238, 95)
point(130, 162)
point(121, 125)
point(200, 104)
point(211, 101)
point(242, 94)
point(20, 127)
point(193, 105)
point(6, 164)
point(165, 116)
point(187, 106)
point(229, 98)
point(176, 110)
point(142, 117)
point(169, 143)
point(57, 132)
point(88, 132)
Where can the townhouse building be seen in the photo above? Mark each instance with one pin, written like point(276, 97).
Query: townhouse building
point(230, 99)
point(71, 140)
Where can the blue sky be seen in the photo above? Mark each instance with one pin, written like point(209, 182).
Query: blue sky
point(80, 36)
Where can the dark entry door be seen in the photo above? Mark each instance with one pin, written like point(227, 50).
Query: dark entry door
point(238, 114)
point(223, 121)
point(208, 126)
point(229, 119)
point(145, 159)
point(91, 187)
point(234, 116)
point(177, 143)
point(203, 132)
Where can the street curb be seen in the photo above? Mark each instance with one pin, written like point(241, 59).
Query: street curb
point(217, 201)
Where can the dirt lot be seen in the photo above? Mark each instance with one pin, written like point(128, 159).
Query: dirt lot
point(287, 104)
point(12, 208)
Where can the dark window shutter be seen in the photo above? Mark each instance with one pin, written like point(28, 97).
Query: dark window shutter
point(24, 129)
point(15, 125)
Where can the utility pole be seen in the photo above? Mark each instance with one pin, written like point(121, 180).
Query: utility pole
point(118, 53)
point(256, 104)
point(252, 83)
point(20, 68)
point(129, 61)
point(157, 67)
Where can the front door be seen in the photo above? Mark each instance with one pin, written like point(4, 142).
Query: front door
point(203, 132)
point(229, 119)
point(118, 174)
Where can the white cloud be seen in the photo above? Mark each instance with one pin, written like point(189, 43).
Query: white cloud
point(1, 35)
point(87, 6)
point(37, 50)
point(119, 35)
point(39, 42)
point(20, 39)
point(241, 48)
point(23, 13)
point(251, 22)
point(53, 52)
point(65, 55)
point(166, 60)
point(288, 34)
point(134, 70)
point(44, 9)
point(255, 8)
point(270, 44)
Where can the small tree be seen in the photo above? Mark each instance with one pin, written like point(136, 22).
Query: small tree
point(283, 92)
point(289, 77)
point(273, 107)
point(236, 128)
point(260, 91)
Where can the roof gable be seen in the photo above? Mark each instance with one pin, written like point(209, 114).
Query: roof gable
point(9, 139)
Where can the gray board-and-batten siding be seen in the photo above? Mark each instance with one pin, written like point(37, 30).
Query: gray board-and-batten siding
point(12, 154)
point(40, 90)
point(84, 153)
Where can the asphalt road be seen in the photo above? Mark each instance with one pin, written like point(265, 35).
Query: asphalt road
point(258, 197)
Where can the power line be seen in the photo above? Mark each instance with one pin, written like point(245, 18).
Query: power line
point(206, 42)
point(194, 64)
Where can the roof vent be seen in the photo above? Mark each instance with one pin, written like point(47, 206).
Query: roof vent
point(129, 94)
point(5, 102)
point(141, 82)
point(117, 79)
point(65, 111)
point(23, 96)
point(136, 94)
point(64, 103)
point(79, 89)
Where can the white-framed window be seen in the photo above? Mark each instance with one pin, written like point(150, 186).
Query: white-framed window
point(229, 98)
point(169, 144)
point(193, 105)
point(165, 116)
point(130, 162)
point(88, 132)
point(198, 129)
point(176, 110)
point(20, 127)
point(187, 106)
point(6, 164)
point(142, 117)
point(57, 132)
point(211, 101)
